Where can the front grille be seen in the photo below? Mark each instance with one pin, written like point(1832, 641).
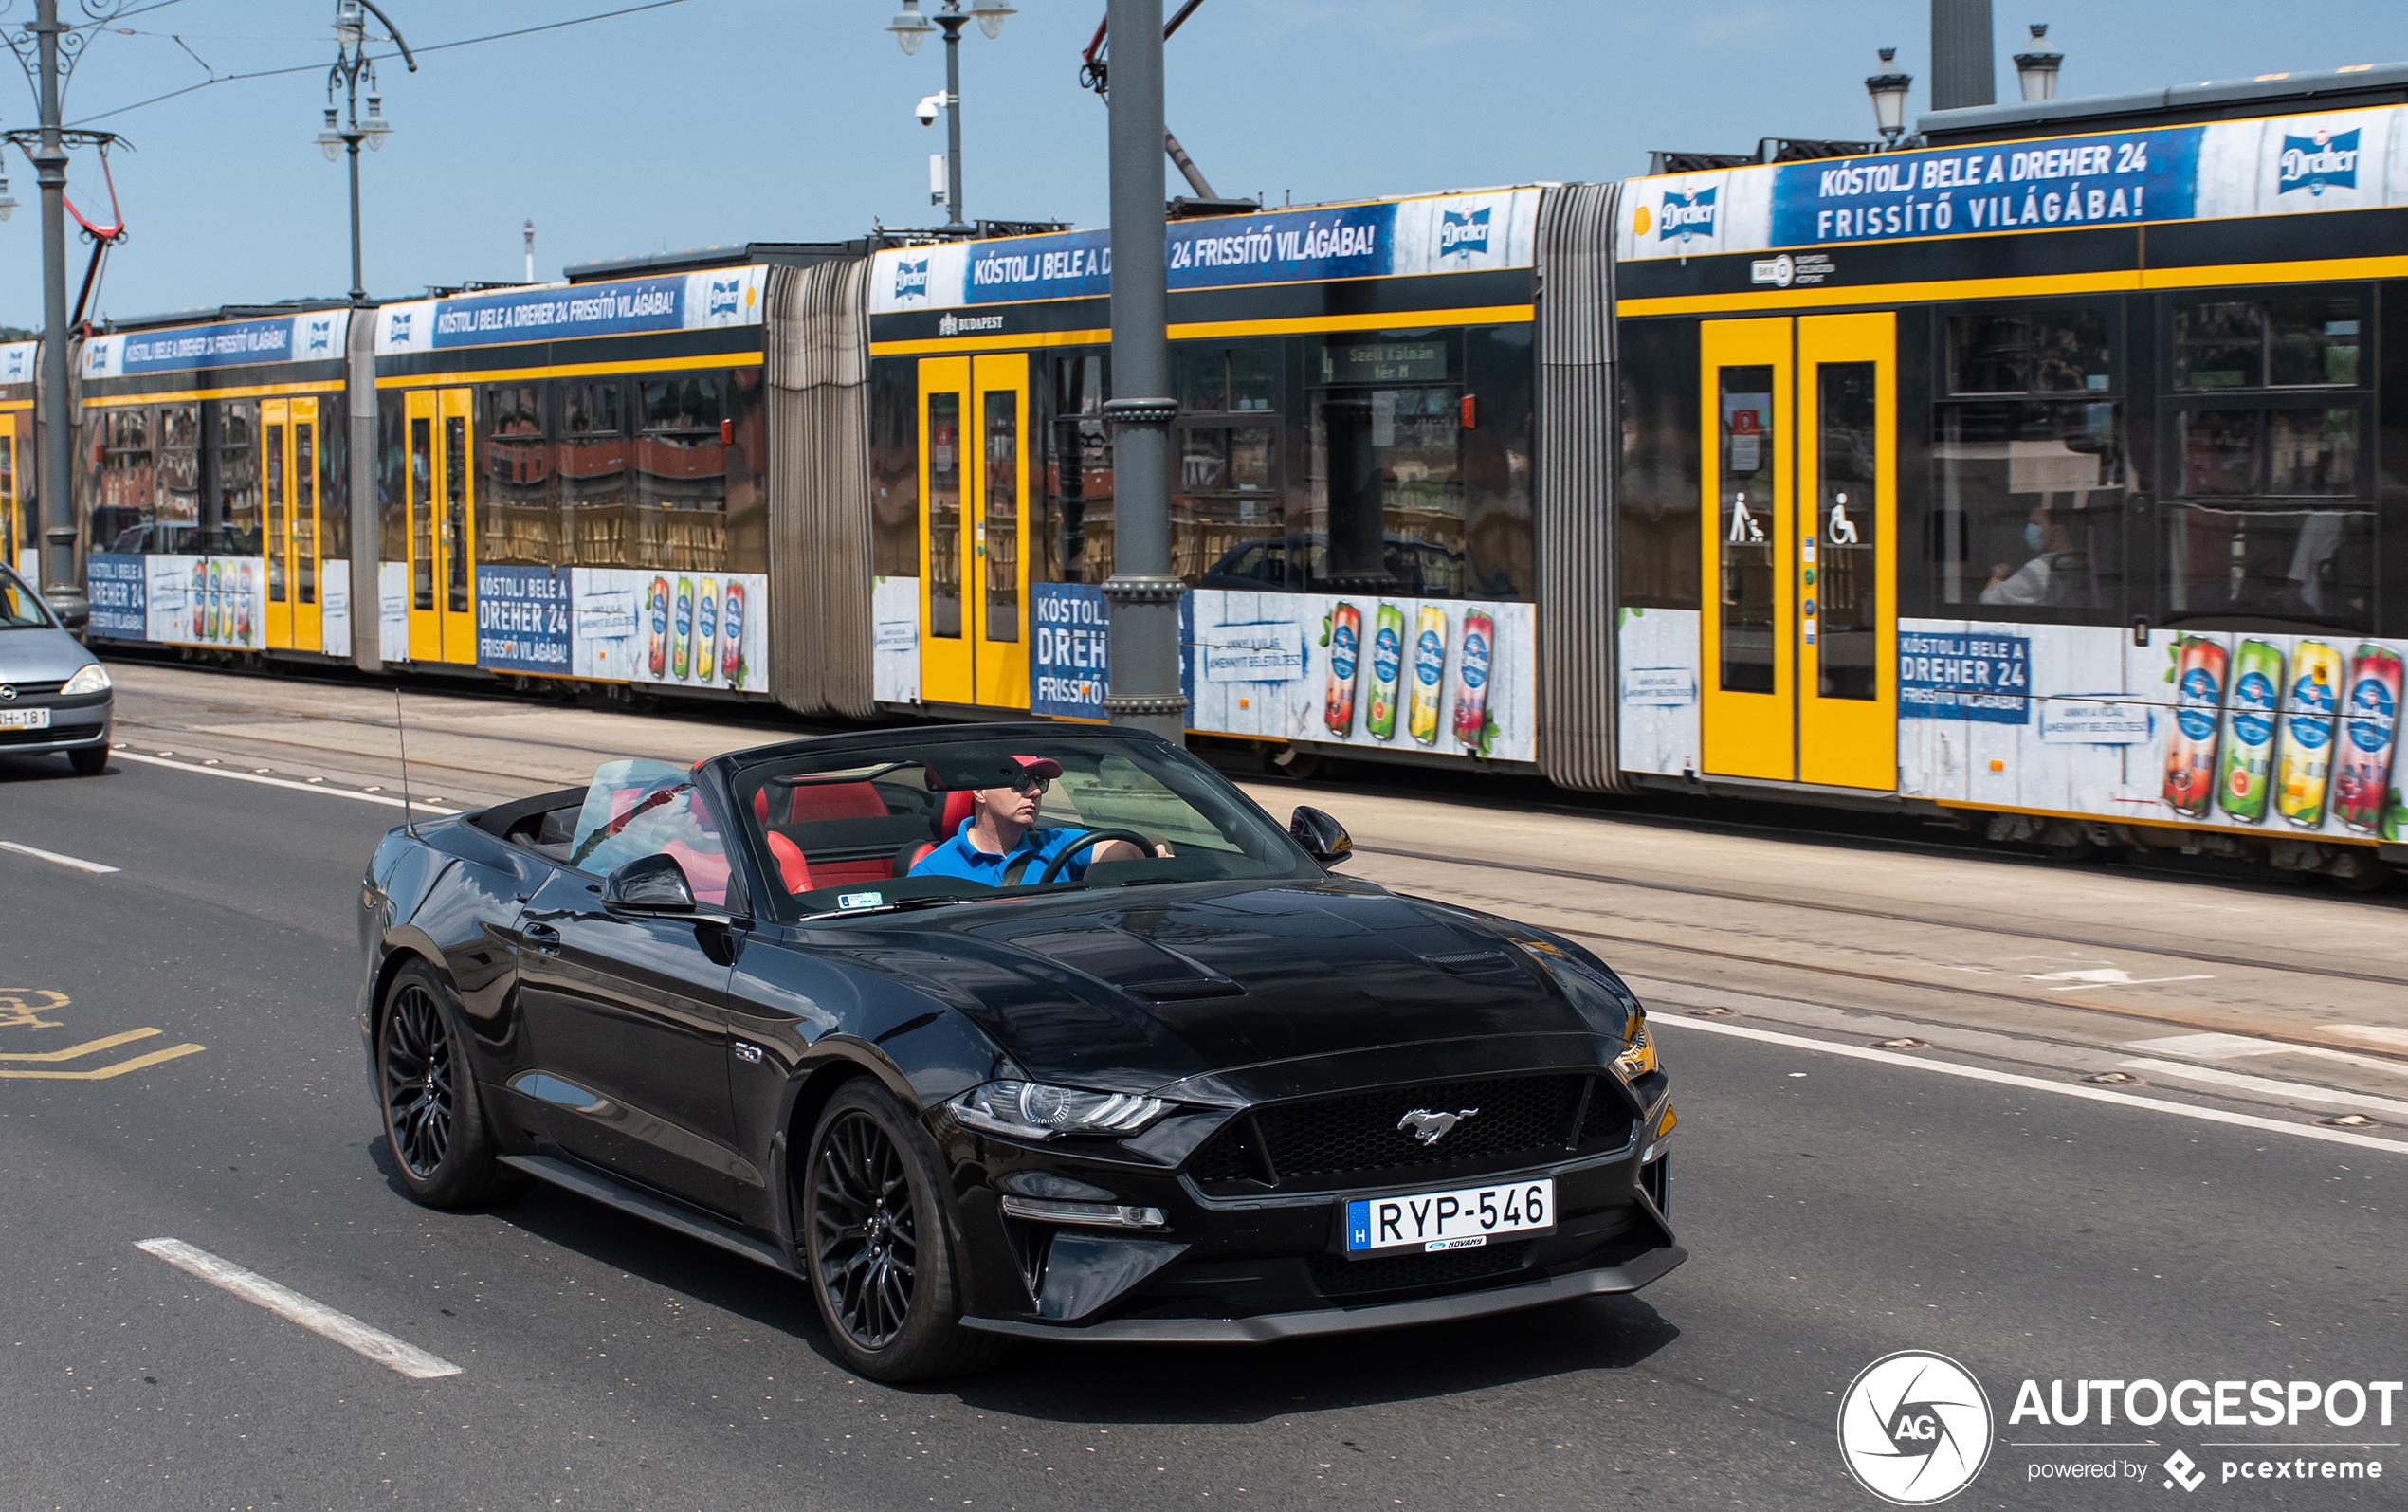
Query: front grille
point(1336, 1277)
point(1356, 1140)
point(35, 691)
point(1608, 1120)
point(54, 733)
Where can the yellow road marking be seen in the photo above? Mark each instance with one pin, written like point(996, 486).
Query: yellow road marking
point(101, 1073)
point(87, 1048)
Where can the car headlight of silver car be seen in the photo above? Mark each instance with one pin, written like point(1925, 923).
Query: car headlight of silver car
point(93, 679)
point(1033, 1110)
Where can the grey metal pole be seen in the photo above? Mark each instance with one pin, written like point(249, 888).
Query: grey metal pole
point(952, 120)
point(350, 139)
point(54, 480)
point(1143, 681)
point(367, 517)
point(1963, 66)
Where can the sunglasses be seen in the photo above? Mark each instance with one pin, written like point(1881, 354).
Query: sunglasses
point(1036, 785)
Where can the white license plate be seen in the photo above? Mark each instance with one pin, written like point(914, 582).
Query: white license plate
point(25, 719)
point(1462, 1219)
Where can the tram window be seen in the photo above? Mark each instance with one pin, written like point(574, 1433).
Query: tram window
point(1204, 380)
point(592, 471)
point(680, 475)
point(999, 528)
point(238, 478)
point(2287, 561)
point(1847, 472)
point(1746, 444)
point(516, 522)
point(1656, 487)
point(2019, 351)
point(894, 469)
point(2030, 515)
point(680, 405)
point(1227, 380)
point(179, 477)
point(1074, 534)
point(1499, 528)
point(422, 513)
point(944, 516)
point(305, 508)
point(127, 515)
point(592, 408)
point(2284, 453)
point(2307, 342)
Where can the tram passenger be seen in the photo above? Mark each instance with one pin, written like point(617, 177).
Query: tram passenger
point(1001, 844)
point(2054, 573)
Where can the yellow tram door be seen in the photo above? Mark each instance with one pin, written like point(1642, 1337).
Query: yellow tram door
point(1000, 536)
point(18, 535)
point(1799, 637)
point(946, 660)
point(443, 566)
point(275, 478)
point(1847, 557)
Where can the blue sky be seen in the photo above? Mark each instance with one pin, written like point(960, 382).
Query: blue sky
point(726, 120)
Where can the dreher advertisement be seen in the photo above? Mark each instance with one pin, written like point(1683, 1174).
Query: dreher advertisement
point(1071, 635)
point(2288, 735)
point(670, 625)
point(522, 619)
point(217, 602)
point(311, 337)
point(682, 301)
point(1451, 677)
point(119, 590)
point(1449, 233)
point(2333, 160)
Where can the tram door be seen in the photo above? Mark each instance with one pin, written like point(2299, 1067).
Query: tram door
point(289, 477)
point(20, 532)
point(442, 563)
point(974, 530)
point(1800, 635)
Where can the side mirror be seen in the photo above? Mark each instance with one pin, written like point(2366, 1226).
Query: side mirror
point(1324, 838)
point(649, 884)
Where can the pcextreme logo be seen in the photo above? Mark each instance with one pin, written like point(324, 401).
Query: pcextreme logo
point(1914, 1427)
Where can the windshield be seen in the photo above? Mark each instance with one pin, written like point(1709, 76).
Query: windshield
point(19, 609)
point(915, 824)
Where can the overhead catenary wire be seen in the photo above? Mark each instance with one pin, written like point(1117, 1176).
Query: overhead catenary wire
point(440, 46)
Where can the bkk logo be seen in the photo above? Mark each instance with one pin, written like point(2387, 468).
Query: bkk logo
point(1686, 215)
point(911, 278)
point(1914, 1427)
point(2312, 162)
point(1463, 233)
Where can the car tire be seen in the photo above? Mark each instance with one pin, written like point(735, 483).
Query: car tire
point(90, 763)
point(876, 1244)
point(434, 1121)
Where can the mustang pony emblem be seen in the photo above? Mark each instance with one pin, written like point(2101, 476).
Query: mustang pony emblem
point(1431, 1128)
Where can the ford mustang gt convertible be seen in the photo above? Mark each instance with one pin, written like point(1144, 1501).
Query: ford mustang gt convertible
point(1011, 1030)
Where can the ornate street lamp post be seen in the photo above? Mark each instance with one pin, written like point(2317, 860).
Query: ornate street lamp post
point(351, 60)
point(911, 28)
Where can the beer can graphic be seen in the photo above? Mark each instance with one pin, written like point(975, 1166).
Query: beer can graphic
point(731, 635)
point(1472, 677)
point(2304, 753)
point(2370, 730)
point(682, 647)
point(200, 600)
point(1345, 640)
point(1429, 669)
point(2249, 730)
point(706, 632)
point(1387, 660)
point(243, 607)
point(656, 610)
point(2190, 752)
point(217, 601)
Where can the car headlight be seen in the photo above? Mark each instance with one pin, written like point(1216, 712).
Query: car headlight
point(93, 679)
point(1033, 1110)
point(1639, 1049)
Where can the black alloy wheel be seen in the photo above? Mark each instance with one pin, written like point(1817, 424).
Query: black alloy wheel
point(434, 1118)
point(877, 1244)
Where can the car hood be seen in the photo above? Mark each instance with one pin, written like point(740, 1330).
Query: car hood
point(1136, 988)
point(44, 654)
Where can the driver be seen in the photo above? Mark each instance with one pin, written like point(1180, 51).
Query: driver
point(1000, 843)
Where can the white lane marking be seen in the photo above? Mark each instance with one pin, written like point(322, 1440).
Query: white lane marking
point(2082, 981)
point(2230, 1046)
point(2329, 1096)
point(2381, 1034)
point(52, 855)
point(316, 1316)
point(1977, 1073)
point(278, 782)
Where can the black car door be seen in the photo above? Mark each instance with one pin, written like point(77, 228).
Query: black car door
point(625, 1017)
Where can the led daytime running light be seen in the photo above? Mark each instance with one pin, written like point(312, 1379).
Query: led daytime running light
point(1103, 1214)
point(1033, 1110)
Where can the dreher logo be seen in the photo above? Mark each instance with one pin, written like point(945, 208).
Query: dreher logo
point(1914, 1427)
point(2315, 160)
point(16, 365)
point(95, 357)
point(725, 293)
point(318, 336)
point(1463, 233)
point(911, 278)
point(1686, 214)
point(397, 330)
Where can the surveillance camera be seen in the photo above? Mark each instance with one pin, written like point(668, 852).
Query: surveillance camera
point(927, 110)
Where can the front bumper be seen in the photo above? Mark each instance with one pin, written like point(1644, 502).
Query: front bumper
point(75, 724)
point(1629, 1276)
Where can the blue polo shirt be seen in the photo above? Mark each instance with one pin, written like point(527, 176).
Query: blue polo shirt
point(957, 857)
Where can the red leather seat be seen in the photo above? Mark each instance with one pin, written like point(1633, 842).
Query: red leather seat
point(825, 800)
point(794, 872)
point(958, 805)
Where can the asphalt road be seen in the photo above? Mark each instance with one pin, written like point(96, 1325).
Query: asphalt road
point(1837, 1208)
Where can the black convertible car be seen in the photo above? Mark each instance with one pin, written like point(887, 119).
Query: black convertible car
point(1011, 1030)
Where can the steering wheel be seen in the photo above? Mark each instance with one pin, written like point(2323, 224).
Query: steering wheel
point(1061, 857)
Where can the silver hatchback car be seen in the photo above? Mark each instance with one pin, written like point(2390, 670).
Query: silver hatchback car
point(54, 695)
